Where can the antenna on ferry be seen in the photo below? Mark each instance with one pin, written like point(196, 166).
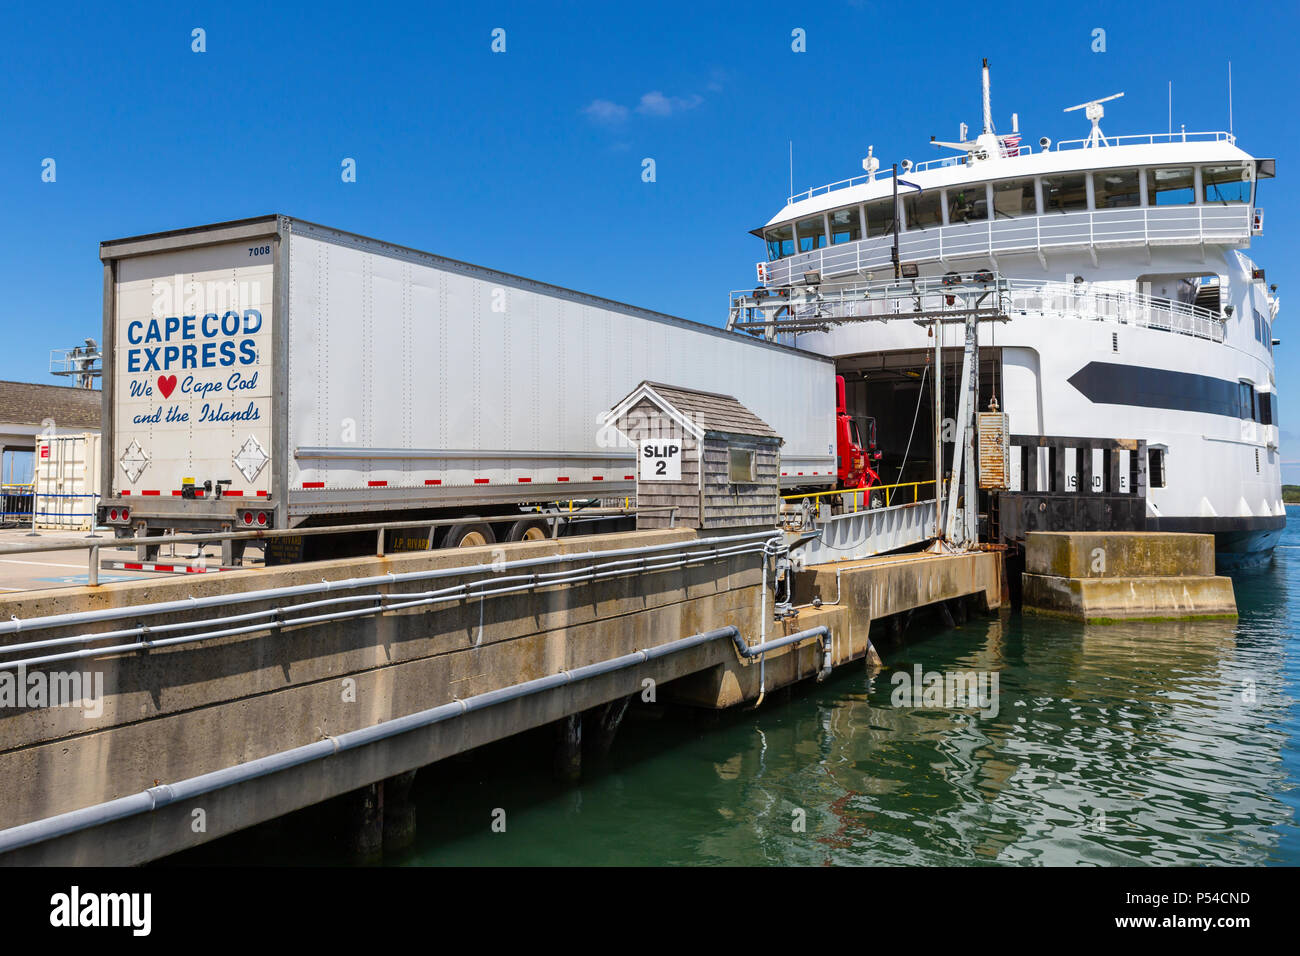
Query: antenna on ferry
point(988, 103)
point(1094, 111)
point(988, 144)
point(871, 164)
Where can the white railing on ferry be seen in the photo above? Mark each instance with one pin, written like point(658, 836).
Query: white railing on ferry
point(1136, 139)
point(940, 163)
point(1013, 296)
point(1151, 139)
point(1135, 226)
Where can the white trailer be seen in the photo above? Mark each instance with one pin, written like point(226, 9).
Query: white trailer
point(269, 372)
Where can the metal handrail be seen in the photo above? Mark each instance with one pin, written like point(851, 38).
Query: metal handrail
point(1139, 225)
point(942, 162)
point(1025, 149)
point(885, 298)
point(1151, 139)
point(855, 492)
point(380, 527)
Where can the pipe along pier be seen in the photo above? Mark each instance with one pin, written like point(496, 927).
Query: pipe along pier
point(141, 718)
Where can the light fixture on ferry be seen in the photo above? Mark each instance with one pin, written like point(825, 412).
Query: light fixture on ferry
point(907, 165)
point(812, 278)
point(910, 270)
point(1045, 142)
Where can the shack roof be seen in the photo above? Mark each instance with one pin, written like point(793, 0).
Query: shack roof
point(29, 403)
point(699, 411)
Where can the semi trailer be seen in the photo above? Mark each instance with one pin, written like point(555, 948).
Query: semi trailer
point(271, 373)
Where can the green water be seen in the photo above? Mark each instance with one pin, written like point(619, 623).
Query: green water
point(1125, 744)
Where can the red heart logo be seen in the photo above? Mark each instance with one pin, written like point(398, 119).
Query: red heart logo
point(165, 385)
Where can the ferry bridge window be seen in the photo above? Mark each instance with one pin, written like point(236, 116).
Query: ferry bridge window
point(780, 242)
point(811, 233)
point(846, 225)
point(1171, 187)
point(1266, 408)
point(1246, 401)
point(968, 203)
point(1116, 188)
point(1013, 197)
point(1224, 184)
point(1064, 193)
point(923, 209)
point(880, 218)
point(1155, 467)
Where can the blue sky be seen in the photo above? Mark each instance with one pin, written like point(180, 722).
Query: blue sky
point(530, 160)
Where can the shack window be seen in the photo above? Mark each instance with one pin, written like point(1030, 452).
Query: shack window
point(1014, 197)
point(880, 218)
point(1171, 187)
point(968, 203)
point(742, 467)
point(1156, 467)
point(846, 225)
point(923, 209)
point(1226, 184)
point(1116, 188)
point(780, 242)
point(811, 233)
point(1064, 193)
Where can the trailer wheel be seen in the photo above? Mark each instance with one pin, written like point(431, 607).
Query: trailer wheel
point(472, 534)
point(529, 529)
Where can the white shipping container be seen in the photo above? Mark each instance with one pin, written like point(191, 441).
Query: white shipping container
point(301, 371)
point(65, 481)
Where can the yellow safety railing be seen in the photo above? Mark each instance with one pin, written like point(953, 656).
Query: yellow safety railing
point(858, 492)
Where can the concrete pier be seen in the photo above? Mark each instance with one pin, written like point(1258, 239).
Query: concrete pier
point(1101, 577)
point(172, 713)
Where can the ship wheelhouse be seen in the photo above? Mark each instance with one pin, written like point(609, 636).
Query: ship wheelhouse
point(1167, 189)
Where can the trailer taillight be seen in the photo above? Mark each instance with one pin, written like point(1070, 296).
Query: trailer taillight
point(126, 514)
point(248, 517)
point(261, 518)
point(112, 515)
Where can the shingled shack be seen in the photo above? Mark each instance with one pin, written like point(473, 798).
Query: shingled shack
point(705, 454)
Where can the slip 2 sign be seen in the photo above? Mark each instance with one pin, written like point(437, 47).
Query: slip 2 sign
point(661, 460)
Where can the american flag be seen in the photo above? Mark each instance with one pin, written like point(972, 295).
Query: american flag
point(1011, 145)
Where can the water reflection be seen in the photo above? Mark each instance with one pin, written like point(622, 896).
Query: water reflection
point(1125, 744)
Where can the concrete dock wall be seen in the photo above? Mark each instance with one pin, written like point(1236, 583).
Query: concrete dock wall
point(172, 713)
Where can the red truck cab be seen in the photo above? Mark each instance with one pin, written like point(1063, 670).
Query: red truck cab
point(855, 461)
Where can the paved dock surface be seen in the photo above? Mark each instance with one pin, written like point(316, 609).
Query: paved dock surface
point(61, 569)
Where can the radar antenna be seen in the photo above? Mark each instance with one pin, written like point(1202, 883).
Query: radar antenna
point(1094, 111)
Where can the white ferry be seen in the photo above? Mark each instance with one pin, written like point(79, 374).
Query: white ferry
point(1130, 308)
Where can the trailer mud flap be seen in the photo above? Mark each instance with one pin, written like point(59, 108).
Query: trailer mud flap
point(284, 550)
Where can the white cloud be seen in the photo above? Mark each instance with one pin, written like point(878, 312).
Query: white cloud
point(655, 103)
point(606, 112)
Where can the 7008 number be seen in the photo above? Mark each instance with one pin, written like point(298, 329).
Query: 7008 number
point(259, 250)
